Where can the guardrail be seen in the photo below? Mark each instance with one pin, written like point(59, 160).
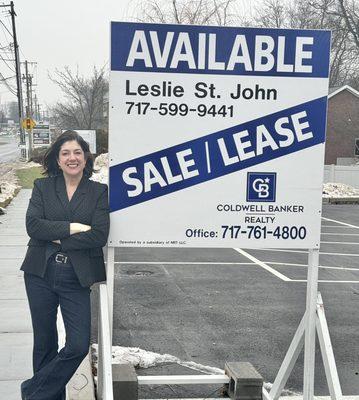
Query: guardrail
point(104, 370)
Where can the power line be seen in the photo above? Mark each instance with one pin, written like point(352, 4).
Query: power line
point(12, 69)
point(5, 27)
point(4, 81)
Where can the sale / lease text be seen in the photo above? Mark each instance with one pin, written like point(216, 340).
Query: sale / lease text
point(244, 145)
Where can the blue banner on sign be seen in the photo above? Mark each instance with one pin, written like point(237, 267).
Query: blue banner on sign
point(219, 50)
point(217, 154)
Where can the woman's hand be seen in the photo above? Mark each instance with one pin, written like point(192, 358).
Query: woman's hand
point(76, 227)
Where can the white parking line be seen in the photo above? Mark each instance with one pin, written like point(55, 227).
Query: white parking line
point(340, 234)
point(185, 262)
point(263, 265)
point(342, 223)
point(280, 398)
point(323, 281)
point(306, 252)
point(306, 265)
point(337, 226)
point(340, 243)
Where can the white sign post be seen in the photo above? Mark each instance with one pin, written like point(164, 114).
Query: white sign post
point(217, 140)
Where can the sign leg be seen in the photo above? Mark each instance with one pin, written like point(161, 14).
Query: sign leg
point(110, 267)
point(327, 352)
point(311, 309)
point(289, 361)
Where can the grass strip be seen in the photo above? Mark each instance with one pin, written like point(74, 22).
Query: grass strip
point(28, 175)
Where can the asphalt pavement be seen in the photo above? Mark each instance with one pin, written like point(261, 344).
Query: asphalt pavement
point(215, 305)
point(203, 305)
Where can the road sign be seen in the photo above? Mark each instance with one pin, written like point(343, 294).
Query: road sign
point(217, 136)
point(28, 124)
point(41, 135)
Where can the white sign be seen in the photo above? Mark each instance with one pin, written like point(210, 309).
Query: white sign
point(89, 136)
point(216, 136)
point(41, 135)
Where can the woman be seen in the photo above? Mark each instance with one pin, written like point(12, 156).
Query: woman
point(68, 223)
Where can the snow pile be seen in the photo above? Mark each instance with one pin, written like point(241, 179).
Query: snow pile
point(8, 183)
point(101, 161)
point(144, 359)
point(101, 169)
point(339, 190)
point(7, 191)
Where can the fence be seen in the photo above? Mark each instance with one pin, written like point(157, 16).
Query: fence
point(348, 174)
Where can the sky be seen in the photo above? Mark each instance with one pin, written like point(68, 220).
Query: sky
point(56, 34)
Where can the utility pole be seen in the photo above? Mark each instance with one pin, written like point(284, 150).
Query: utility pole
point(36, 115)
point(18, 82)
point(28, 82)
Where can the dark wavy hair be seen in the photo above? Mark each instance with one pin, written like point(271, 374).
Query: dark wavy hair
point(51, 167)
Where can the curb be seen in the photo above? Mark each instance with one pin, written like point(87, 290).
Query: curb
point(341, 200)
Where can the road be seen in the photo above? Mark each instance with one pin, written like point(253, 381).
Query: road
point(213, 305)
point(9, 150)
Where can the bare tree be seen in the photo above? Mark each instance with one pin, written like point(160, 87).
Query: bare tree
point(349, 11)
point(316, 14)
point(339, 16)
point(271, 14)
point(83, 107)
point(193, 12)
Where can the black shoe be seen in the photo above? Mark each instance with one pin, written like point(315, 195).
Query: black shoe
point(23, 397)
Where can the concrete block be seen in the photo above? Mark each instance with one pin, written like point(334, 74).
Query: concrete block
point(245, 382)
point(81, 385)
point(125, 383)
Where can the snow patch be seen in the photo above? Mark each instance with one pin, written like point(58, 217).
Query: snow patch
point(101, 169)
point(339, 190)
point(140, 358)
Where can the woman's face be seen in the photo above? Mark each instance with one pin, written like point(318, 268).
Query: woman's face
point(71, 159)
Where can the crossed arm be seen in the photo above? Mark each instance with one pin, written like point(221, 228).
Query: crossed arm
point(71, 235)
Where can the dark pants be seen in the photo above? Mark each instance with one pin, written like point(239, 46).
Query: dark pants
point(53, 369)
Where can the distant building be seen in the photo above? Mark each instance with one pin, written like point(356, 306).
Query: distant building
point(342, 142)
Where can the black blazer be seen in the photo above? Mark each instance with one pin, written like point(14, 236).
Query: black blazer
point(48, 218)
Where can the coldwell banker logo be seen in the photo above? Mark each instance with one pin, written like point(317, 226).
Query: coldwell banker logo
point(261, 186)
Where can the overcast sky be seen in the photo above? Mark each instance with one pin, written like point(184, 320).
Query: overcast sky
point(55, 34)
point(59, 33)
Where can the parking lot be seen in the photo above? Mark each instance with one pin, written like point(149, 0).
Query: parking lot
point(213, 305)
